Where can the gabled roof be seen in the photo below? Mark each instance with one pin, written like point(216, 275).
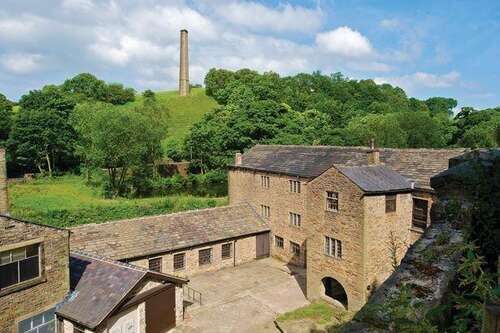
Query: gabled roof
point(145, 236)
point(99, 286)
point(376, 178)
point(418, 165)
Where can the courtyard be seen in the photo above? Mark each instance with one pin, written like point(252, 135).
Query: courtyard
point(245, 298)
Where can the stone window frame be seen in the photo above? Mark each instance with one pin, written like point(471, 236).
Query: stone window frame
point(417, 220)
point(205, 256)
point(295, 219)
point(294, 186)
point(265, 181)
point(391, 203)
point(226, 251)
point(295, 248)
point(332, 201)
point(332, 247)
point(157, 261)
point(41, 265)
point(279, 242)
point(39, 312)
point(265, 211)
point(176, 261)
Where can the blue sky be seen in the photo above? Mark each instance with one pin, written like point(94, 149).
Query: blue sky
point(429, 48)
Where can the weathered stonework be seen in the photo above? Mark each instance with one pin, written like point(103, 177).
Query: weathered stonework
point(37, 295)
point(4, 198)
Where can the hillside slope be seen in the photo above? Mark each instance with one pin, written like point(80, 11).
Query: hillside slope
point(184, 111)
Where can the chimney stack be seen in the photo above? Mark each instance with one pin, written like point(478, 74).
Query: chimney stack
point(4, 198)
point(238, 159)
point(184, 65)
point(373, 154)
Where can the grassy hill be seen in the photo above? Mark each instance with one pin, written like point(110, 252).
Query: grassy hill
point(184, 111)
point(67, 201)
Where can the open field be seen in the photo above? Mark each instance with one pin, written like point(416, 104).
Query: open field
point(184, 111)
point(67, 201)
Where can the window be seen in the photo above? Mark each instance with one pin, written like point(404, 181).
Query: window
point(279, 242)
point(41, 323)
point(420, 211)
point(265, 211)
point(264, 181)
point(78, 329)
point(19, 265)
point(295, 248)
point(179, 261)
point(294, 186)
point(333, 247)
point(155, 264)
point(295, 219)
point(332, 201)
point(227, 250)
point(390, 203)
point(205, 256)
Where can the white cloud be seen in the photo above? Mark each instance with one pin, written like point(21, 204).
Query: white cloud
point(284, 18)
point(78, 5)
point(22, 27)
point(21, 63)
point(390, 23)
point(411, 82)
point(344, 42)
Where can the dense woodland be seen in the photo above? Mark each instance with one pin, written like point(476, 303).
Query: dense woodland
point(86, 125)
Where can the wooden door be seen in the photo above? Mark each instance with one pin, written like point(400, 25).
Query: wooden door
point(160, 311)
point(262, 248)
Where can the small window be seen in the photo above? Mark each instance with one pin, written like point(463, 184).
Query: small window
point(295, 248)
point(332, 201)
point(295, 219)
point(19, 265)
point(179, 261)
point(264, 181)
point(279, 242)
point(205, 256)
point(294, 186)
point(333, 247)
point(41, 323)
point(420, 212)
point(227, 250)
point(78, 329)
point(390, 203)
point(265, 211)
point(155, 264)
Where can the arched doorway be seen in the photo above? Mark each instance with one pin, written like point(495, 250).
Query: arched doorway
point(333, 289)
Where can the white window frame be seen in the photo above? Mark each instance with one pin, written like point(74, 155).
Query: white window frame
point(295, 219)
point(332, 198)
point(265, 181)
point(333, 247)
point(265, 211)
point(294, 186)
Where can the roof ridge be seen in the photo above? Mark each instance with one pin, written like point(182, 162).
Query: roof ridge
point(365, 147)
point(186, 212)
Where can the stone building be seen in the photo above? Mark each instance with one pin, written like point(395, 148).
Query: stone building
point(184, 243)
point(347, 213)
point(110, 296)
point(34, 275)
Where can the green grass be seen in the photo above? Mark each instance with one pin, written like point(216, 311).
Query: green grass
point(67, 201)
point(184, 111)
point(319, 312)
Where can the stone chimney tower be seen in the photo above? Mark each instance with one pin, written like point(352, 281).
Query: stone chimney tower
point(184, 65)
point(373, 154)
point(4, 198)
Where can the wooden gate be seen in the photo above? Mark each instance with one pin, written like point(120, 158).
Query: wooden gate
point(262, 248)
point(160, 311)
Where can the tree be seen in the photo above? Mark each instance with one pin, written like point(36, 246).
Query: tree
point(385, 129)
point(117, 140)
point(5, 118)
point(439, 105)
point(118, 95)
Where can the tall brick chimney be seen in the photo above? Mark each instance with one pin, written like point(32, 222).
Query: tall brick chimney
point(373, 154)
point(184, 65)
point(238, 159)
point(4, 198)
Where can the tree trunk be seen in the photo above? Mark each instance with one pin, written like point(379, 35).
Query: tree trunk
point(47, 158)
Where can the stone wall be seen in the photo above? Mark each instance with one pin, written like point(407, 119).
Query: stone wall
point(39, 294)
point(4, 199)
point(345, 225)
point(243, 250)
point(245, 186)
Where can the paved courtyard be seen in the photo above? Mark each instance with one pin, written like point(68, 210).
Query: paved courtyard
point(246, 298)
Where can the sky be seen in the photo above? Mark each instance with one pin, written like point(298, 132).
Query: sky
point(429, 48)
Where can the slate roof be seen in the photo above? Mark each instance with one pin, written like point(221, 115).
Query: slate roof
point(98, 287)
point(145, 236)
point(376, 178)
point(418, 165)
